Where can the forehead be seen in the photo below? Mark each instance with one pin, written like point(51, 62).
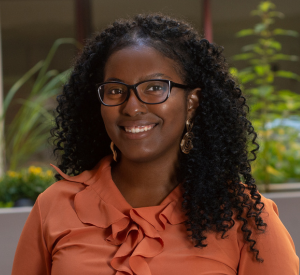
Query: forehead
point(135, 63)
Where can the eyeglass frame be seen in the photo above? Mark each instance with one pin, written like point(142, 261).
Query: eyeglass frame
point(134, 88)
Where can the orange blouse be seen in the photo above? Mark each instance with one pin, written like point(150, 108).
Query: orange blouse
point(83, 225)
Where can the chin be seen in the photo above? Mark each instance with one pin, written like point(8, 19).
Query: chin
point(143, 156)
point(140, 155)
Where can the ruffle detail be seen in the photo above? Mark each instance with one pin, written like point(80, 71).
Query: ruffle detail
point(136, 234)
point(135, 230)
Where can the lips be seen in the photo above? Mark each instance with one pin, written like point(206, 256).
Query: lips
point(139, 129)
point(137, 126)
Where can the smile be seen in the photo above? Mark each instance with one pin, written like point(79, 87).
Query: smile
point(139, 129)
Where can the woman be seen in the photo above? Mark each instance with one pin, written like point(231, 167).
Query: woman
point(170, 199)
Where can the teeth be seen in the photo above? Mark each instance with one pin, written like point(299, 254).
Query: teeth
point(139, 129)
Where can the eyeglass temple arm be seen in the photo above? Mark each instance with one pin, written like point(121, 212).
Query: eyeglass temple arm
point(173, 84)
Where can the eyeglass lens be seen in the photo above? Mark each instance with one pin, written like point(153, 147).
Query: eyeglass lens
point(150, 92)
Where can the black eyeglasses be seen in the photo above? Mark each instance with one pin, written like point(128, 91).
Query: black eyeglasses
point(154, 91)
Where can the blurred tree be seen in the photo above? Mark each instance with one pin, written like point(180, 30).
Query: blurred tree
point(257, 80)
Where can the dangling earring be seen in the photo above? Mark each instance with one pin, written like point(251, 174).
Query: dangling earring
point(186, 144)
point(113, 151)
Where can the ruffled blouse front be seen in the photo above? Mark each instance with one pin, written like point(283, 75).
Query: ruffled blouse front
point(83, 225)
point(134, 231)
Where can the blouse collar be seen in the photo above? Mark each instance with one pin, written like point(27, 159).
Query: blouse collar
point(101, 204)
point(102, 195)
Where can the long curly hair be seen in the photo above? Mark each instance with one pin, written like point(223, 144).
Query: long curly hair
point(217, 183)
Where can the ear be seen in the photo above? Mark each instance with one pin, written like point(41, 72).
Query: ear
point(193, 100)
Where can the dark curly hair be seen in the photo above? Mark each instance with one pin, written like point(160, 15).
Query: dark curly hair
point(213, 192)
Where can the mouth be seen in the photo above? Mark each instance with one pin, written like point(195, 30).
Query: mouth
point(139, 129)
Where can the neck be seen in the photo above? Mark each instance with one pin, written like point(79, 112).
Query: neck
point(145, 183)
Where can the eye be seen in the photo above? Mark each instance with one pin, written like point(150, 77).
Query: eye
point(113, 91)
point(116, 91)
point(155, 88)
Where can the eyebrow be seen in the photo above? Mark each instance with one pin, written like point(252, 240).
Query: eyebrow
point(148, 77)
point(114, 79)
point(157, 75)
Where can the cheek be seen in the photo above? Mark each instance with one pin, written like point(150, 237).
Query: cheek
point(175, 115)
point(108, 116)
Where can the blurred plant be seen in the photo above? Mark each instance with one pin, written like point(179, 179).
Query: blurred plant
point(25, 184)
point(283, 156)
point(29, 130)
point(267, 103)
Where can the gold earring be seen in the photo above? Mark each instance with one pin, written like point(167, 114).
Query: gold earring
point(113, 151)
point(186, 144)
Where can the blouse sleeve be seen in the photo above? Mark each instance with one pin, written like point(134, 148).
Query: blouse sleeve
point(32, 256)
point(275, 246)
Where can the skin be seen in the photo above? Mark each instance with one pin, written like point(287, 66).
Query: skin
point(146, 166)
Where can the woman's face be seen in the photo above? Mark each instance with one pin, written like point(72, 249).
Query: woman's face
point(163, 124)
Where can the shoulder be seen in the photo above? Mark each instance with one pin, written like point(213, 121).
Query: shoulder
point(275, 241)
point(61, 188)
point(270, 213)
point(61, 193)
point(275, 230)
point(59, 196)
point(275, 246)
point(274, 236)
point(269, 205)
point(270, 216)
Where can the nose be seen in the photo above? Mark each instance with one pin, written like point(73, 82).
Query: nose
point(133, 106)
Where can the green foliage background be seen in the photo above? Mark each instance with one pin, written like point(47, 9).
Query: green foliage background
point(29, 131)
point(279, 156)
point(28, 183)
